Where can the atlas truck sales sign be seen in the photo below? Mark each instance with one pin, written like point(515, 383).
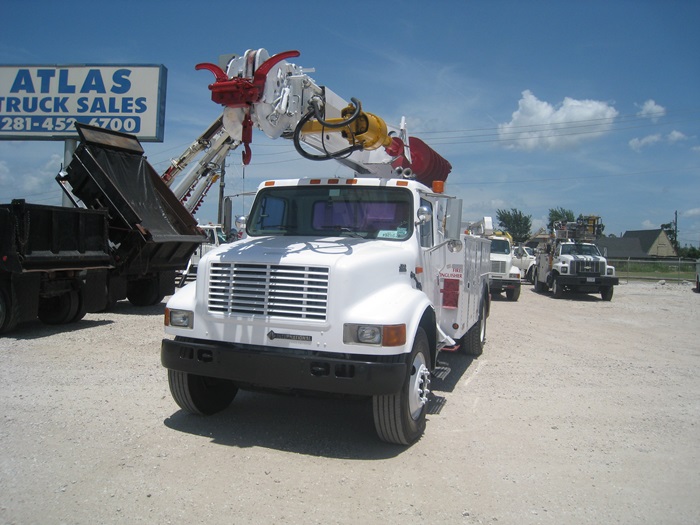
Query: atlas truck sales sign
point(43, 102)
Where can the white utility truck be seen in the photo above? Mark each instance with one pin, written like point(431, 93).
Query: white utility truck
point(524, 258)
point(569, 261)
point(346, 285)
point(504, 275)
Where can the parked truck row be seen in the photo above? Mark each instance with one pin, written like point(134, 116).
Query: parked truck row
point(344, 285)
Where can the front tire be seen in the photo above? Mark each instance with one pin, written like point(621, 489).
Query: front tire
point(201, 395)
point(400, 418)
point(513, 294)
point(557, 290)
point(606, 293)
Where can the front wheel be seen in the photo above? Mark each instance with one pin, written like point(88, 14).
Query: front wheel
point(400, 418)
point(201, 395)
point(513, 294)
point(557, 290)
point(606, 293)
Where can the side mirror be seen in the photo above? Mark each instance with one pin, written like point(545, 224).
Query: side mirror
point(453, 220)
point(424, 215)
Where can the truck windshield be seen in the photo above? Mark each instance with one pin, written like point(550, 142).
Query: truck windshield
point(352, 211)
point(580, 249)
point(500, 246)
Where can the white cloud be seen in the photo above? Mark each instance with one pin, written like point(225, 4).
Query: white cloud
point(638, 144)
point(651, 110)
point(648, 225)
point(539, 124)
point(673, 137)
point(676, 136)
point(695, 212)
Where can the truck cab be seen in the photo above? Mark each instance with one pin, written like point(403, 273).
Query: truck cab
point(524, 258)
point(574, 266)
point(504, 276)
point(348, 286)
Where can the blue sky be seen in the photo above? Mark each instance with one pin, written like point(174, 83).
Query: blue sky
point(590, 106)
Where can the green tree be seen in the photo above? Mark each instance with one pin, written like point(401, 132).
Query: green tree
point(559, 215)
point(516, 223)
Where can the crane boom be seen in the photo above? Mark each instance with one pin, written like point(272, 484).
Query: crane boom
point(283, 101)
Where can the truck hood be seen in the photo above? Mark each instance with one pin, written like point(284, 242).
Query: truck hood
point(327, 251)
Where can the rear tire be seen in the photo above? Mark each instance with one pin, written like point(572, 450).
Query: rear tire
point(474, 340)
point(59, 309)
point(9, 313)
point(143, 292)
point(400, 418)
point(536, 281)
point(201, 395)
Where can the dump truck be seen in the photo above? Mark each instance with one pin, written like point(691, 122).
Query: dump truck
point(126, 236)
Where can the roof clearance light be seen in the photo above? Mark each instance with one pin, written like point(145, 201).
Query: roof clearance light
point(438, 186)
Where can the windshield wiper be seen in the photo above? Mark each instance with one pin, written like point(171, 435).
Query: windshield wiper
point(343, 229)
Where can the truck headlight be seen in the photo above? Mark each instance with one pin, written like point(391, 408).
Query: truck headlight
point(610, 270)
point(384, 335)
point(564, 269)
point(179, 318)
point(371, 335)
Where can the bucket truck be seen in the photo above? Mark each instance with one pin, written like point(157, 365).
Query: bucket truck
point(569, 261)
point(346, 285)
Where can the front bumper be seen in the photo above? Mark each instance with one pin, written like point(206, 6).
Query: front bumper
point(497, 284)
point(279, 368)
point(577, 280)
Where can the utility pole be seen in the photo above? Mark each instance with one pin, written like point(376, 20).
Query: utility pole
point(675, 230)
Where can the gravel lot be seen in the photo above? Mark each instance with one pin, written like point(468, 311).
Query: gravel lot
point(579, 411)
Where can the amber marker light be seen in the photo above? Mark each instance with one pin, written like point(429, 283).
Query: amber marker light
point(394, 335)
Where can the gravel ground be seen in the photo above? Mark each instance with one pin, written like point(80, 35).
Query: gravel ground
point(579, 411)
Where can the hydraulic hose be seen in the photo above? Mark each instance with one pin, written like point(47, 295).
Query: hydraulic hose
point(329, 155)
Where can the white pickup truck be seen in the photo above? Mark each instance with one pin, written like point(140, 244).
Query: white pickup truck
point(524, 258)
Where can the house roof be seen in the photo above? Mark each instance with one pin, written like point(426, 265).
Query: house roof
point(647, 238)
point(620, 247)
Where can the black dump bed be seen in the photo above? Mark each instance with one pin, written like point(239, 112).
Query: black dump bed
point(150, 229)
point(36, 237)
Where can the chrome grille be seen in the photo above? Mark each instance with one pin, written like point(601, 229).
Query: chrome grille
point(586, 267)
point(498, 267)
point(299, 292)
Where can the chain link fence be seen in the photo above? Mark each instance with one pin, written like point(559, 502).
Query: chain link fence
point(655, 269)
